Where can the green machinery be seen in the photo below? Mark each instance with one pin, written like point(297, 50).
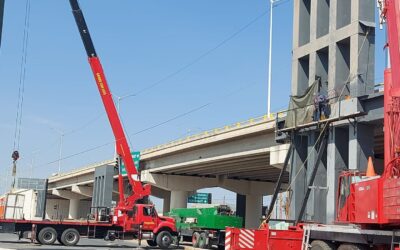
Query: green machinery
point(205, 226)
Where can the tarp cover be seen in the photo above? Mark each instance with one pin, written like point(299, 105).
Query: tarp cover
point(301, 107)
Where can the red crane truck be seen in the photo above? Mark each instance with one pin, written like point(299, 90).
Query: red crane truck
point(368, 207)
point(130, 218)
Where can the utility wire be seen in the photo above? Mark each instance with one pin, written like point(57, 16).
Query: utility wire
point(205, 54)
point(186, 66)
point(169, 76)
point(198, 108)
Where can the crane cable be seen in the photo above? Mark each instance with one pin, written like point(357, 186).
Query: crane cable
point(22, 76)
point(21, 90)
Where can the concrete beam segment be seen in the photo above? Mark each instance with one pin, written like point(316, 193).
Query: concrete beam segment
point(159, 192)
point(103, 186)
point(190, 183)
point(82, 190)
point(253, 211)
point(213, 139)
point(237, 146)
point(278, 154)
point(73, 212)
point(66, 194)
point(164, 166)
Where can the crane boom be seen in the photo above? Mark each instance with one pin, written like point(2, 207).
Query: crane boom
point(390, 12)
point(139, 191)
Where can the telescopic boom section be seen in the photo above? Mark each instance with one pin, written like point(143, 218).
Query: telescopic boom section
point(123, 151)
point(390, 12)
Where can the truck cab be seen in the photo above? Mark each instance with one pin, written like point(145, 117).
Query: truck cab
point(144, 220)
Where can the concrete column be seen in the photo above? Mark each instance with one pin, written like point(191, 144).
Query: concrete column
point(167, 204)
point(317, 200)
point(298, 174)
point(179, 199)
point(253, 211)
point(361, 145)
point(338, 151)
point(73, 212)
point(241, 207)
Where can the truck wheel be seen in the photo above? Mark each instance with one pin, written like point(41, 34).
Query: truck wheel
point(195, 239)
point(164, 239)
point(151, 243)
point(321, 245)
point(70, 237)
point(47, 236)
point(351, 247)
point(203, 241)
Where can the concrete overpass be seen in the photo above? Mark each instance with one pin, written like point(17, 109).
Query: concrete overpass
point(242, 158)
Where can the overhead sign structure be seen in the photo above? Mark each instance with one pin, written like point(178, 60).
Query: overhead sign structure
point(202, 198)
point(136, 160)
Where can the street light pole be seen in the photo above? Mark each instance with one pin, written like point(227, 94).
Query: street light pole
point(270, 55)
point(119, 99)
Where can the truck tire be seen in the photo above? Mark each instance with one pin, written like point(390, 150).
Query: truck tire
point(70, 237)
point(151, 243)
point(164, 239)
point(203, 241)
point(47, 236)
point(321, 245)
point(347, 246)
point(195, 239)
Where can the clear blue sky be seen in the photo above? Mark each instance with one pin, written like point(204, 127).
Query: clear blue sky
point(139, 43)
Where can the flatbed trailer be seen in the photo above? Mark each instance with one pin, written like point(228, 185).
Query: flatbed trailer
point(66, 232)
point(100, 224)
point(351, 234)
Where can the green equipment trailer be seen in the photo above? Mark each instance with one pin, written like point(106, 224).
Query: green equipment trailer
point(205, 227)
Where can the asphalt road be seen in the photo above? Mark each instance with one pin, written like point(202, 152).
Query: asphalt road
point(10, 241)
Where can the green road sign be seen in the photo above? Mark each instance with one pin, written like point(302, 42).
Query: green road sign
point(203, 198)
point(136, 160)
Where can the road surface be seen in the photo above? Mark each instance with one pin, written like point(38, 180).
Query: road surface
point(10, 241)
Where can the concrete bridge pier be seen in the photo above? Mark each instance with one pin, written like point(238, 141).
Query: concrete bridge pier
point(179, 199)
point(253, 211)
point(73, 211)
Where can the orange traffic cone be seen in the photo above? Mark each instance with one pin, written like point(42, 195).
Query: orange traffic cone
point(370, 168)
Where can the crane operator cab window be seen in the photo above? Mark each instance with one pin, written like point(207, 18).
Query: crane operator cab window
point(345, 181)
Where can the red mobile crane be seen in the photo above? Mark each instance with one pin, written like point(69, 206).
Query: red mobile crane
point(130, 218)
point(368, 207)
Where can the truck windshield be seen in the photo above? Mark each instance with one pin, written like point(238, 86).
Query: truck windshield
point(148, 211)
